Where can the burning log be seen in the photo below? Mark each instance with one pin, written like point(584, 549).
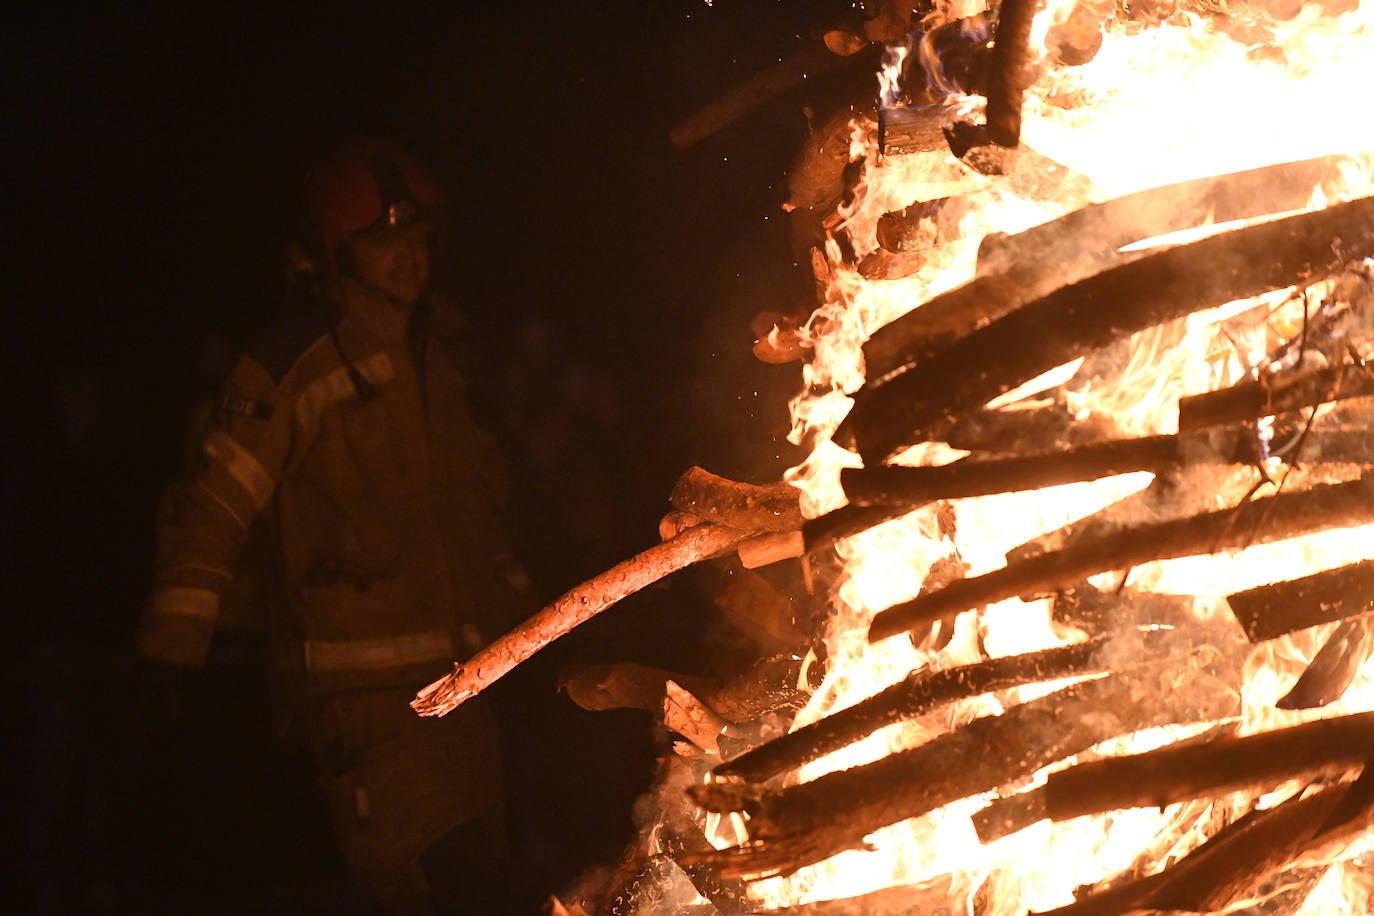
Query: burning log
point(1010, 73)
point(1096, 612)
point(573, 608)
point(1269, 611)
point(1265, 520)
point(918, 693)
point(1219, 873)
point(914, 486)
point(1271, 395)
point(1109, 306)
point(1173, 773)
point(806, 823)
point(1007, 815)
point(1016, 269)
point(1333, 669)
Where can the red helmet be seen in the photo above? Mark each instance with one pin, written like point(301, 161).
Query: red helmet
point(369, 183)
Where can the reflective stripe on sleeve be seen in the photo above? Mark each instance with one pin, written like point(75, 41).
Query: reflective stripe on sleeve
point(337, 386)
point(246, 470)
point(375, 654)
point(181, 601)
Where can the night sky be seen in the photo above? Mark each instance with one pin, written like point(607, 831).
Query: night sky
point(155, 164)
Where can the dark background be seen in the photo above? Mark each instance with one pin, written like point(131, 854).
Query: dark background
point(155, 160)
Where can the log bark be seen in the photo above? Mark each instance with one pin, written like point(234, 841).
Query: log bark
point(1260, 521)
point(572, 609)
point(1274, 395)
point(806, 823)
point(1270, 611)
point(917, 693)
point(910, 487)
point(1010, 71)
point(1005, 816)
point(1177, 773)
point(1333, 670)
point(1082, 243)
point(1110, 306)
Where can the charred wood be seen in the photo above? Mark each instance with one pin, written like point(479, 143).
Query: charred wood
point(1265, 520)
point(1016, 269)
point(1107, 307)
point(915, 486)
point(1272, 395)
point(1026, 431)
point(1176, 773)
point(796, 826)
point(917, 693)
point(1010, 72)
point(1269, 611)
point(1333, 669)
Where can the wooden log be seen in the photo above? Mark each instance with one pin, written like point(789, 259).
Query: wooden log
point(792, 827)
point(1005, 816)
point(1010, 73)
point(910, 487)
point(1094, 313)
point(1333, 670)
point(1272, 395)
point(1220, 872)
point(1016, 269)
point(916, 694)
point(750, 507)
point(1259, 521)
point(1023, 431)
point(1170, 774)
point(573, 608)
point(1270, 611)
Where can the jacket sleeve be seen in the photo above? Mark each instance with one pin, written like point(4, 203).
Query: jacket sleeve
point(205, 521)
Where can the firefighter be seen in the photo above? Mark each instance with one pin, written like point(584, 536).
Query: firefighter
point(350, 430)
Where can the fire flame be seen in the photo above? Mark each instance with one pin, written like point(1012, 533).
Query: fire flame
point(1189, 96)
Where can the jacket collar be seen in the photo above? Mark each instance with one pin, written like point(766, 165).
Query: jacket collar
point(377, 314)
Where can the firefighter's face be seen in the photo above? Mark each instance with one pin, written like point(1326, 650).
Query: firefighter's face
point(395, 262)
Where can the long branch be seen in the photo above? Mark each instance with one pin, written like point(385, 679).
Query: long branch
point(574, 608)
point(1260, 521)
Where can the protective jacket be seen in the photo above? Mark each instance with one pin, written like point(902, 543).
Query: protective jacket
point(355, 433)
